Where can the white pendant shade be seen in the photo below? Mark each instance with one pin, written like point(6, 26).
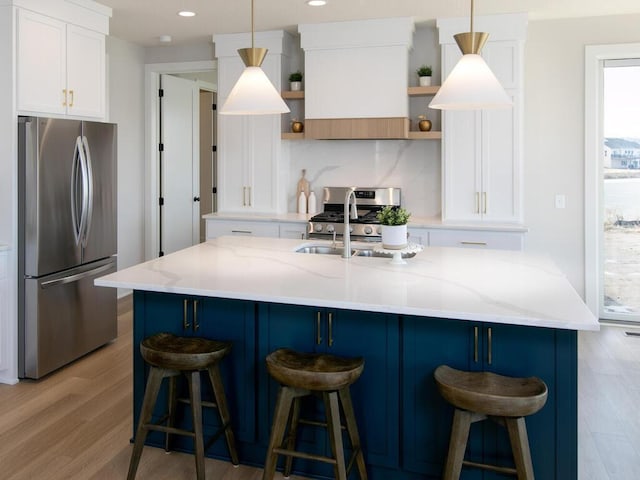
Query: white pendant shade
point(471, 85)
point(253, 94)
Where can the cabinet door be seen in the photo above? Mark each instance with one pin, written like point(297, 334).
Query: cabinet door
point(294, 230)
point(426, 417)
point(231, 321)
point(462, 156)
point(85, 72)
point(501, 164)
point(375, 337)
point(524, 352)
point(41, 64)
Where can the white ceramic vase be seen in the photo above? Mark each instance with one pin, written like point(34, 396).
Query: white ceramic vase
point(295, 86)
point(394, 237)
point(425, 81)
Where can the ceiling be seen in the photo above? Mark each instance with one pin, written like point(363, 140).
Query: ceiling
point(143, 21)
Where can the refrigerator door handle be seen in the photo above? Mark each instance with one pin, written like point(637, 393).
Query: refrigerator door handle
point(89, 191)
point(78, 170)
point(76, 277)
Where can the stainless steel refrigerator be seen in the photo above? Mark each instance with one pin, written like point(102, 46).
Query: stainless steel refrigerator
point(67, 238)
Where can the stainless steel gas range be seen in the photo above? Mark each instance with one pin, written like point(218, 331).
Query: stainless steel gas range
point(330, 222)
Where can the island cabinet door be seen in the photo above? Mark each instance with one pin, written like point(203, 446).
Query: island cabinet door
point(426, 418)
point(229, 320)
point(375, 395)
point(550, 355)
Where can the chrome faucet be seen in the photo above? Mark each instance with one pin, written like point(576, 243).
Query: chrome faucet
point(349, 213)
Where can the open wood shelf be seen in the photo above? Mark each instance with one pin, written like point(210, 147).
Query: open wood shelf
point(292, 95)
point(292, 136)
point(416, 91)
point(416, 135)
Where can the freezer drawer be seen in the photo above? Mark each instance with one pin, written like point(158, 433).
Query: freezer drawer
point(65, 316)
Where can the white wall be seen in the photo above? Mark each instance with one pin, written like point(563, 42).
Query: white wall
point(554, 132)
point(126, 108)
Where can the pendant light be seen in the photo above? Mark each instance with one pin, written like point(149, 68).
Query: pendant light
point(253, 93)
point(471, 85)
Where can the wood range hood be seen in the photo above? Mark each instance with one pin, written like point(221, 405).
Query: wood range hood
point(356, 79)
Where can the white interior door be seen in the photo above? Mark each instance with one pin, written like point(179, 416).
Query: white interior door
point(180, 213)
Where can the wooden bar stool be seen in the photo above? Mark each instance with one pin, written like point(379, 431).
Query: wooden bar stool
point(477, 396)
point(169, 356)
point(299, 375)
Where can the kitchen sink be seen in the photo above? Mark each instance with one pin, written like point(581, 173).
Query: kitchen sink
point(355, 252)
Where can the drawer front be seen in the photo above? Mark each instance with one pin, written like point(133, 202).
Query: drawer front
point(476, 239)
point(217, 228)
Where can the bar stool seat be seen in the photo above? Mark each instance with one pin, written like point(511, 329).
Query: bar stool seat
point(299, 375)
point(169, 356)
point(477, 396)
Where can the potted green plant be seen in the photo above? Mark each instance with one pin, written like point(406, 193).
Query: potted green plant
point(295, 81)
point(394, 227)
point(424, 75)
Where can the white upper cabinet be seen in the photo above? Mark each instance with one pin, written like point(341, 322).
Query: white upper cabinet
point(60, 67)
point(482, 150)
point(249, 147)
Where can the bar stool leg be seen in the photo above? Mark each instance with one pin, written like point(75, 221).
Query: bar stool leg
point(291, 437)
point(283, 405)
point(173, 400)
point(223, 411)
point(520, 445)
point(335, 433)
point(457, 444)
point(352, 430)
point(150, 395)
point(193, 378)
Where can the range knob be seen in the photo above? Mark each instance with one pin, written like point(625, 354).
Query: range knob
point(350, 229)
point(330, 228)
point(379, 230)
point(368, 230)
point(317, 227)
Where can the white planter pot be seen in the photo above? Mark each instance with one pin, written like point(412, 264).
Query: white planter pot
point(394, 237)
point(295, 86)
point(425, 81)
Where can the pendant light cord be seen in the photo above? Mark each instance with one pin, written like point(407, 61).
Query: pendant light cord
point(473, 38)
point(252, 25)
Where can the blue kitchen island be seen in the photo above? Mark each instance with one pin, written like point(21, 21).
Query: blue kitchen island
point(507, 312)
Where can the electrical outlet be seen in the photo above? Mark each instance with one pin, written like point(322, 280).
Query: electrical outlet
point(561, 201)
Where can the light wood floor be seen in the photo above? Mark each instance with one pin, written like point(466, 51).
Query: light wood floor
point(76, 423)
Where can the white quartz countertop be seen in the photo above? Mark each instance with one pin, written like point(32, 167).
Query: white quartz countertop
point(467, 284)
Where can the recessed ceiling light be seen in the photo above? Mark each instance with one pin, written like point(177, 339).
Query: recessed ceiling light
point(316, 3)
point(165, 38)
point(186, 13)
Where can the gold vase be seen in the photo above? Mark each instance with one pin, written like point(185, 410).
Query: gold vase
point(424, 125)
point(297, 127)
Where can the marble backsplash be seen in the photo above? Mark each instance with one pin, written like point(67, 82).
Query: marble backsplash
point(414, 166)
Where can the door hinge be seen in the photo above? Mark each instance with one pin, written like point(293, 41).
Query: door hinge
point(214, 190)
point(161, 147)
point(161, 93)
point(214, 106)
point(161, 201)
point(214, 148)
